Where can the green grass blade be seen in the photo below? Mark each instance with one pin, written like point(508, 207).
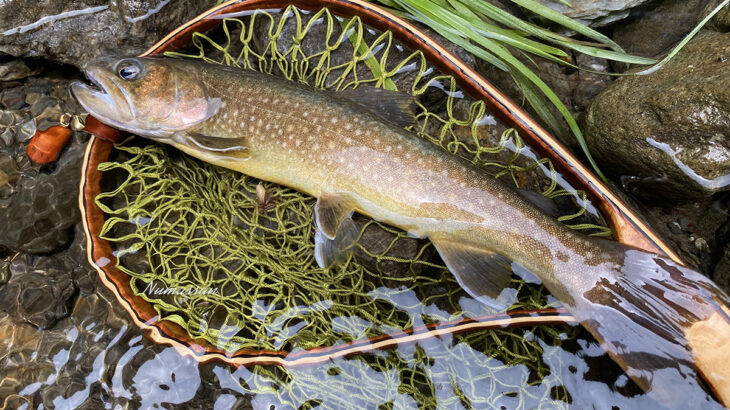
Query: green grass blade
point(566, 22)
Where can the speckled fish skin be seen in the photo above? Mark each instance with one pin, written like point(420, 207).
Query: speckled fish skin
point(637, 304)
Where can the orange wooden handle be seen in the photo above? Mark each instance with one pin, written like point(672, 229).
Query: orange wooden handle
point(46, 146)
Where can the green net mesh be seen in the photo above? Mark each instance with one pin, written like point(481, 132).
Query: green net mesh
point(179, 223)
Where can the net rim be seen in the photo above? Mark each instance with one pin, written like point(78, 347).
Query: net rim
point(164, 332)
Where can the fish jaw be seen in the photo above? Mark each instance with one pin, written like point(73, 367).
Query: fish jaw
point(107, 101)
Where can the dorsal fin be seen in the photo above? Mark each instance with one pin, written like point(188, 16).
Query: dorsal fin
point(393, 106)
point(485, 275)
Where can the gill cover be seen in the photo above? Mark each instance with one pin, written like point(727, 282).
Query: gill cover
point(148, 96)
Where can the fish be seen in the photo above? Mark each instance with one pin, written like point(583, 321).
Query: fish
point(662, 322)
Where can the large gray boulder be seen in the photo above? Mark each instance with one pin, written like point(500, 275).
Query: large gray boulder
point(78, 31)
point(667, 134)
point(594, 12)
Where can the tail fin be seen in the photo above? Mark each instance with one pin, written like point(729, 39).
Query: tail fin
point(662, 323)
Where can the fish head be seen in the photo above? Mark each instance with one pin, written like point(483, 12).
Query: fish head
point(148, 96)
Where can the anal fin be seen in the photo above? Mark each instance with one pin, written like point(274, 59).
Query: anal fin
point(485, 275)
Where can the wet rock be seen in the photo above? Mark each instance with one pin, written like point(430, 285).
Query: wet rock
point(12, 98)
point(15, 70)
point(721, 269)
point(691, 229)
point(656, 27)
point(78, 31)
point(39, 292)
point(720, 21)
point(595, 13)
point(38, 217)
point(666, 135)
point(4, 272)
point(9, 172)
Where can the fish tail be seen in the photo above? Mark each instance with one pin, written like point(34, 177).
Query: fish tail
point(666, 325)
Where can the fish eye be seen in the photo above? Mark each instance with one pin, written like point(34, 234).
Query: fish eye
point(129, 70)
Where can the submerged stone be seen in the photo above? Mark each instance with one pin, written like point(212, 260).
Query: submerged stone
point(40, 291)
point(666, 135)
point(656, 27)
point(39, 216)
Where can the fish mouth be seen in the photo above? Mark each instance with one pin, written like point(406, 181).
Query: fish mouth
point(104, 98)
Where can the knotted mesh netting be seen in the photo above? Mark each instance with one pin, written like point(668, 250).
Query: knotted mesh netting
point(177, 222)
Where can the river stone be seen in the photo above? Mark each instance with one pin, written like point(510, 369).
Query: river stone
point(720, 21)
point(656, 27)
point(40, 290)
point(666, 135)
point(38, 218)
point(595, 13)
point(78, 31)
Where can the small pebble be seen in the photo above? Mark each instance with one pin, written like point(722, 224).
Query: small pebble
point(26, 130)
point(32, 98)
point(9, 171)
point(7, 137)
point(14, 70)
point(701, 244)
point(12, 99)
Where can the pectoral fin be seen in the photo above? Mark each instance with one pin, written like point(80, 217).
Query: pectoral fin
point(485, 275)
point(329, 213)
point(331, 251)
